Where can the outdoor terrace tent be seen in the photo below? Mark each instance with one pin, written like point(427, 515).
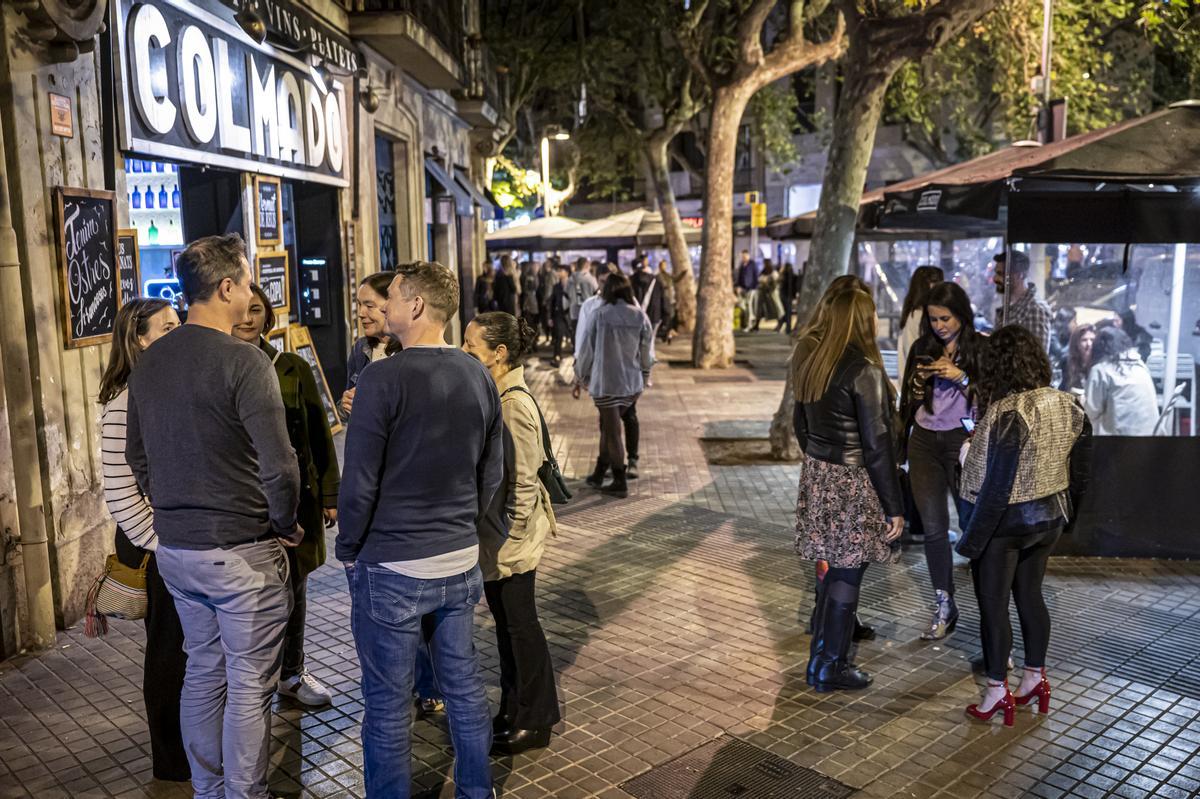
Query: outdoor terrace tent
point(533, 237)
point(637, 228)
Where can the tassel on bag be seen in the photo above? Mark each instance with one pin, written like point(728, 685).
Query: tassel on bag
point(95, 624)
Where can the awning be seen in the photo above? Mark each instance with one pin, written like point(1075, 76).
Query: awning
point(637, 228)
point(533, 236)
point(463, 204)
point(490, 209)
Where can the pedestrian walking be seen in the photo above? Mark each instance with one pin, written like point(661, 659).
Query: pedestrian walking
point(138, 324)
point(529, 293)
point(559, 314)
point(651, 295)
point(666, 332)
point(308, 431)
point(938, 394)
point(769, 306)
point(485, 286)
point(849, 510)
point(424, 457)
point(547, 278)
point(790, 282)
point(1023, 476)
point(512, 537)
point(207, 441)
point(374, 344)
point(745, 286)
point(614, 362)
point(582, 286)
point(505, 288)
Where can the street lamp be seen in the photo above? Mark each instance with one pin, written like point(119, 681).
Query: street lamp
point(557, 134)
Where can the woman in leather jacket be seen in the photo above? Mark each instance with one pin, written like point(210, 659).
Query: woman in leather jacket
point(1022, 478)
point(849, 509)
point(937, 395)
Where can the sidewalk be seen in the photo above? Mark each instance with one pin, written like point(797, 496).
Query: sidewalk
point(674, 621)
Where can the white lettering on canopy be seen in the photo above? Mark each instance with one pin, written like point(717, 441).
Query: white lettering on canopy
point(267, 108)
point(147, 25)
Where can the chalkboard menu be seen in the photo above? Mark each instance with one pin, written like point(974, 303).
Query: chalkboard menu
point(87, 260)
point(272, 270)
point(128, 266)
point(267, 210)
point(302, 345)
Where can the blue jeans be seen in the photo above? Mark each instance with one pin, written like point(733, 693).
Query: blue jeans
point(386, 618)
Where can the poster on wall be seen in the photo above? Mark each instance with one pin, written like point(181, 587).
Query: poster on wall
point(128, 264)
point(271, 274)
point(267, 207)
point(302, 345)
point(91, 289)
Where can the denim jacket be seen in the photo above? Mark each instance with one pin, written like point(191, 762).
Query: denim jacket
point(615, 359)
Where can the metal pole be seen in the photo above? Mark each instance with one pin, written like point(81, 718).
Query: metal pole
point(1172, 360)
point(546, 175)
point(1047, 36)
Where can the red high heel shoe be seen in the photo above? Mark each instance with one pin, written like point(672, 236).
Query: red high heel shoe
point(1007, 704)
point(1041, 691)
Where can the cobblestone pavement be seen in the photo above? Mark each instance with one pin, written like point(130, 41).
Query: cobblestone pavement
point(673, 618)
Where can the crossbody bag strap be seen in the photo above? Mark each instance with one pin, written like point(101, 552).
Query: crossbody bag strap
point(547, 452)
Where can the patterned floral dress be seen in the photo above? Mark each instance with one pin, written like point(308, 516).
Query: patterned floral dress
point(839, 517)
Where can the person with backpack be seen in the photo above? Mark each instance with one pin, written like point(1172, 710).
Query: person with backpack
point(512, 537)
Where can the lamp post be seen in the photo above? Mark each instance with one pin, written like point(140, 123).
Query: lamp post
point(557, 134)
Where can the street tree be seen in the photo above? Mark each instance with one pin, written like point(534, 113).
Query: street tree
point(883, 36)
point(735, 50)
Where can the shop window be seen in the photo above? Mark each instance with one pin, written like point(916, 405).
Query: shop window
point(385, 192)
point(156, 211)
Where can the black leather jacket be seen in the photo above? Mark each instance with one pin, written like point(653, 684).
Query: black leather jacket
point(993, 516)
point(853, 424)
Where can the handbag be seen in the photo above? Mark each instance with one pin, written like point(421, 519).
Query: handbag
point(120, 592)
point(549, 473)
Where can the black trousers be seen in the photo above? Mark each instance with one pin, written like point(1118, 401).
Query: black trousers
point(528, 697)
point(633, 431)
point(293, 636)
point(556, 340)
point(163, 668)
point(1013, 567)
point(932, 460)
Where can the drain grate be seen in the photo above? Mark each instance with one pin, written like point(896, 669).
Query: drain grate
point(728, 767)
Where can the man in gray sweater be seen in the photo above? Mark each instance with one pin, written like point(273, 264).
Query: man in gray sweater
point(207, 441)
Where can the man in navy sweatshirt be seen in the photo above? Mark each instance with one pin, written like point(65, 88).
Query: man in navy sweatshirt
point(423, 460)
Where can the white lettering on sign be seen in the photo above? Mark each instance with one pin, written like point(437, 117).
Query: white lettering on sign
point(929, 201)
point(149, 32)
point(263, 108)
point(267, 208)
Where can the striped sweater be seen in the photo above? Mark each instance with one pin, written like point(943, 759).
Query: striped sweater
point(127, 505)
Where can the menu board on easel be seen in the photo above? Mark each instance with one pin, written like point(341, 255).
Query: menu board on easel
point(271, 274)
point(302, 345)
point(128, 264)
point(267, 207)
point(87, 261)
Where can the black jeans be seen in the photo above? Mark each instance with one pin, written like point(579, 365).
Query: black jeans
point(633, 431)
point(1013, 566)
point(163, 668)
point(932, 460)
point(293, 636)
point(528, 698)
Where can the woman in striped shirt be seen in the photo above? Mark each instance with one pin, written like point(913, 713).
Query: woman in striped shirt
point(140, 323)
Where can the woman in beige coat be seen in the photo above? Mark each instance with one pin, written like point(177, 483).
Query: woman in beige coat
point(512, 537)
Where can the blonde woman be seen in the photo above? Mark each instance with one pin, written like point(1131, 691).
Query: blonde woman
point(849, 511)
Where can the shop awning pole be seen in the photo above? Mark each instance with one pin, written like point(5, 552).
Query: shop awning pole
point(1169, 375)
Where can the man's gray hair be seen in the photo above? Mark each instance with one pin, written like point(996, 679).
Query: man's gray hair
point(206, 262)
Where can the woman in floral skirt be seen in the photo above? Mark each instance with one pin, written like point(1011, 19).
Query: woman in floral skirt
point(849, 510)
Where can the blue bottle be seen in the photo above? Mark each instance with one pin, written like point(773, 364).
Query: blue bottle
point(134, 165)
point(135, 198)
point(162, 196)
point(148, 199)
point(175, 198)
point(158, 166)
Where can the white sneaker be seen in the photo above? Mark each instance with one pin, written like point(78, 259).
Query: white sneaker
point(305, 689)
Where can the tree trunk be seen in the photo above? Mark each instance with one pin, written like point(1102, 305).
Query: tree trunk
point(681, 259)
point(712, 342)
point(859, 109)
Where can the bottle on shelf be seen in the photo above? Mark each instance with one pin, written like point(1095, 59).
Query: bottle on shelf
point(158, 166)
point(152, 233)
point(162, 196)
point(175, 197)
point(133, 165)
point(148, 198)
point(135, 198)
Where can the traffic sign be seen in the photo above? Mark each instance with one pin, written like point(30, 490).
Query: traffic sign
point(758, 215)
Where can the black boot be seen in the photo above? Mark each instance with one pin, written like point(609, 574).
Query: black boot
point(618, 487)
point(834, 670)
point(861, 631)
point(596, 478)
point(817, 646)
point(631, 468)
